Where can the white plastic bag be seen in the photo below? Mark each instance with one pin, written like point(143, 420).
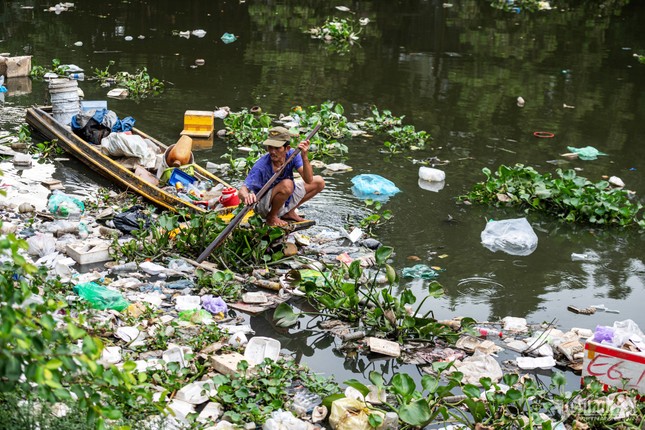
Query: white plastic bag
point(41, 245)
point(512, 236)
point(130, 145)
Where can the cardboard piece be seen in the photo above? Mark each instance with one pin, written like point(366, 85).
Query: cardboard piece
point(13, 67)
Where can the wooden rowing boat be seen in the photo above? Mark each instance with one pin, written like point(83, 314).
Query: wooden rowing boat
point(41, 120)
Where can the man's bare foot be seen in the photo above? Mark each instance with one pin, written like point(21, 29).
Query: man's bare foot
point(293, 216)
point(276, 222)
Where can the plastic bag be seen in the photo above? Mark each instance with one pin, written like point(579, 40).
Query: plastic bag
point(63, 205)
point(419, 271)
point(101, 297)
point(587, 153)
point(214, 305)
point(350, 414)
point(41, 245)
point(283, 420)
point(128, 221)
point(130, 145)
point(375, 187)
point(512, 236)
point(196, 316)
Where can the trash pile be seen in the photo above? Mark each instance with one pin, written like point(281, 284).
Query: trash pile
point(156, 315)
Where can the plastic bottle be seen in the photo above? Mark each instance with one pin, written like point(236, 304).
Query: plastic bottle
point(77, 76)
point(485, 331)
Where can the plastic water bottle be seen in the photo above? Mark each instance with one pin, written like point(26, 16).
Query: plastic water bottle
point(77, 76)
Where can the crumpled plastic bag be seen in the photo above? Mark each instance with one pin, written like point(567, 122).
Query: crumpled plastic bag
point(214, 305)
point(283, 420)
point(476, 367)
point(512, 236)
point(101, 297)
point(130, 145)
point(587, 153)
point(41, 244)
point(350, 414)
point(420, 271)
point(128, 221)
point(63, 205)
point(375, 187)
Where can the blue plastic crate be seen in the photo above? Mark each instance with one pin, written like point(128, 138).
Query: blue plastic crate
point(180, 176)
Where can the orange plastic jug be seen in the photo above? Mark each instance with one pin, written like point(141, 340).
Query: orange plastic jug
point(180, 153)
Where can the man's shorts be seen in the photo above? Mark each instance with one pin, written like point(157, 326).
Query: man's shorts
point(264, 204)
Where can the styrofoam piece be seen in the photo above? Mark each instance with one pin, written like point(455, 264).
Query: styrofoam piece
point(355, 234)
point(127, 334)
point(151, 268)
point(514, 324)
point(528, 363)
point(111, 355)
point(433, 186)
point(431, 175)
point(196, 393)
point(181, 408)
point(188, 303)
point(235, 328)
point(210, 413)
point(176, 354)
point(237, 339)
point(260, 347)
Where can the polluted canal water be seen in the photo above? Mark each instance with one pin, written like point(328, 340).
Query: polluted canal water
point(456, 71)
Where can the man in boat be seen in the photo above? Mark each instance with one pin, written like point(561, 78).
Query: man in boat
point(279, 204)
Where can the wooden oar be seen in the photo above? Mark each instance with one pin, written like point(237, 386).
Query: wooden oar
point(238, 218)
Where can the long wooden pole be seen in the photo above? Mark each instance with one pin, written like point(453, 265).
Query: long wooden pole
point(238, 218)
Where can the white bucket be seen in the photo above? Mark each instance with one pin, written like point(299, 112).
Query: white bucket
point(64, 99)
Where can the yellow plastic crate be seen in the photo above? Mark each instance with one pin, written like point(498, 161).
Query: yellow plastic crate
point(198, 120)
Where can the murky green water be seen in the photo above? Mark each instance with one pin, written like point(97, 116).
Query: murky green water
point(455, 72)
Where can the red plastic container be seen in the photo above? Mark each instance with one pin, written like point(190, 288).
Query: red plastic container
point(229, 197)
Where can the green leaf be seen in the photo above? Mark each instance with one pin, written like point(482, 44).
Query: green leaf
point(471, 391)
point(358, 386)
point(430, 383)
point(403, 385)
point(54, 363)
point(284, 315)
point(375, 420)
point(74, 331)
point(416, 413)
point(390, 274)
point(327, 401)
point(376, 379)
point(382, 254)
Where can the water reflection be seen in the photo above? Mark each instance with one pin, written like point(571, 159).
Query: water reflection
point(454, 72)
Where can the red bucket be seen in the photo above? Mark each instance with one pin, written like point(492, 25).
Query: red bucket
point(229, 197)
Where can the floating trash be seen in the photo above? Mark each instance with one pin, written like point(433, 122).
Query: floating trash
point(228, 38)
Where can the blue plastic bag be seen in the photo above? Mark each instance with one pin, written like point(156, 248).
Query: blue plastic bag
point(375, 187)
point(228, 38)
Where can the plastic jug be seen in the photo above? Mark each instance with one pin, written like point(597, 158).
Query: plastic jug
point(229, 197)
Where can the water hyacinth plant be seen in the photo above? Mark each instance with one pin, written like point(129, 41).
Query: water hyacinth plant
point(339, 33)
point(566, 195)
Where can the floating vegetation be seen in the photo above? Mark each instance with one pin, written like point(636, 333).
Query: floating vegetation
point(56, 67)
point(568, 196)
point(139, 84)
point(339, 33)
point(245, 132)
point(518, 6)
